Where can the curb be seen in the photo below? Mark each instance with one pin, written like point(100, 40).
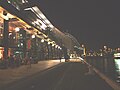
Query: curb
point(110, 82)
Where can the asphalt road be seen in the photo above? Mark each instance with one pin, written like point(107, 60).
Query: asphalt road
point(67, 76)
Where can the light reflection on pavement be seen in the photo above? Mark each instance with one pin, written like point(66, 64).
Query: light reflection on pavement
point(11, 74)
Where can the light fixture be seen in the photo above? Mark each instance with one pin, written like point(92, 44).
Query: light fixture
point(17, 29)
point(48, 43)
point(53, 45)
point(33, 36)
point(42, 40)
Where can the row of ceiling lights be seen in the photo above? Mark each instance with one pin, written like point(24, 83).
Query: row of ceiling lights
point(40, 22)
point(42, 39)
point(48, 40)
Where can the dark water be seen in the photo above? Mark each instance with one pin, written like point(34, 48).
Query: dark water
point(109, 66)
point(117, 66)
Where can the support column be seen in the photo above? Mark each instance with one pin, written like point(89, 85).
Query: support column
point(5, 38)
point(51, 52)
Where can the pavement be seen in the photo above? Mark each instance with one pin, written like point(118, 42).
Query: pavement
point(12, 74)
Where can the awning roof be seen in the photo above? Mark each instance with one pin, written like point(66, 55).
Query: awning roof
point(32, 15)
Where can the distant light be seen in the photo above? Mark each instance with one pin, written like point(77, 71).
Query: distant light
point(105, 47)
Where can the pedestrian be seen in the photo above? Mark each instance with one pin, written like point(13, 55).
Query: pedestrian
point(12, 61)
point(18, 60)
point(28, 61)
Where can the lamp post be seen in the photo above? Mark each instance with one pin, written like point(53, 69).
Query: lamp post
point(84, 50)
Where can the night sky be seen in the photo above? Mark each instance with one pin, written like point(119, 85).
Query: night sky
point(93, 22)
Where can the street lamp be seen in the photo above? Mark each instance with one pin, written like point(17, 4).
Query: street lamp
point(84, 50)
point(42, 40)
point(33, 36)
point(17, 29)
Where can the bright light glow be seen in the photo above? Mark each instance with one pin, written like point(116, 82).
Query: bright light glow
point(13, 37)
point(24, 1)
point(47, 21)
point(1, 35)
point(6, 17)
point(105, 47)
point(42, 40)
point(56, 46)
point(33, 36)
point(81, 58)
point(48, 42)
point(117, 55)
point(43, 26)
point(53, 41)
point(9, 1)
point(53, 45)
point(17, 52)
point(40, 14)
point(51, 26)
point(21, 35)
point(27, 9)
point(10, 34)
point(1, 52)
point(21, 44)
point(9, 16)
point(33, 23)
point(18, 45)
point(17, 29)
point(117, 64)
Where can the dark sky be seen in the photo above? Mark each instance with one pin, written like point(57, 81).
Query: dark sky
point(93, 22)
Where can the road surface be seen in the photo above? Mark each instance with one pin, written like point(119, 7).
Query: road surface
point(66, 76)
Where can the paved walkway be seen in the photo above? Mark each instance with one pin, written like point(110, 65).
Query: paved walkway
point(11, 74)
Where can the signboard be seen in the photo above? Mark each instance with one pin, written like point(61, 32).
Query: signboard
point(28, 44)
